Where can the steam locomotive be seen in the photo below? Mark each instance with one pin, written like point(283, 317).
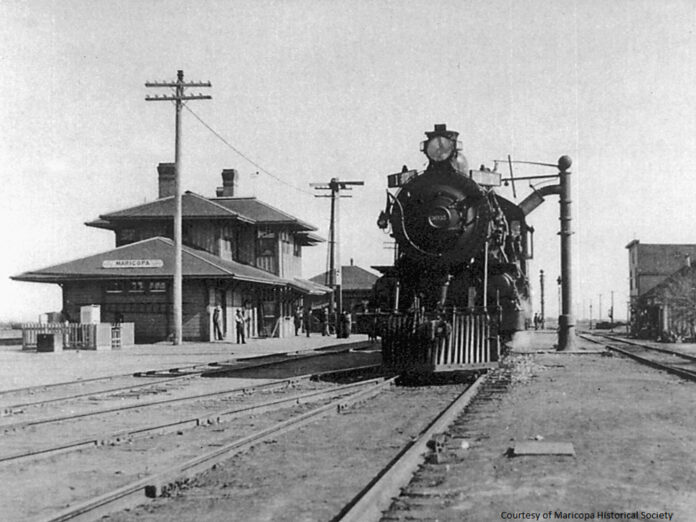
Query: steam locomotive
point(460, 270)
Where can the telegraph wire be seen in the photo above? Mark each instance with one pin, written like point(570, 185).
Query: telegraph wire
point(240, 153)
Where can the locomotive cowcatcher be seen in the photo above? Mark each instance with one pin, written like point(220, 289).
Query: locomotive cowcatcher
point(459, 281)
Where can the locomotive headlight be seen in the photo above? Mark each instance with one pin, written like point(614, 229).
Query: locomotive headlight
point(439, 148)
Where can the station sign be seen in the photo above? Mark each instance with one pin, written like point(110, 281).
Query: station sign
point(132, 263)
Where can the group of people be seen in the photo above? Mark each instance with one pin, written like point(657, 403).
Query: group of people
point(303, 320)
point(300, 320)
point(239, 322)
point(538, 321)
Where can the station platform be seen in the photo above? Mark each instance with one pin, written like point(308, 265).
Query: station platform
point(582, 435)
point(21, 369)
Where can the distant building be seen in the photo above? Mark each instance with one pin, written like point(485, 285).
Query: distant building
point(239, 253)
point(650, 266)
point(668, 310)
point(356, 285)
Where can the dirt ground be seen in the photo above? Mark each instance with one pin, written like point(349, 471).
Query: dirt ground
point(632, 429)
point(307, 474)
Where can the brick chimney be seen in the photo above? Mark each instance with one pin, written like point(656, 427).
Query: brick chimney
point(229, 183)
point(167, 180)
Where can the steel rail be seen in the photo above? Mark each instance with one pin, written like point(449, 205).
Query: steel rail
point(681, 372)
point(170, 478)
point(149, 373)
point(648, 347)
point(289, 357)
point(209, 419)
point(10, 409)
point(40, 387)
point(228, 369)
point(377, 495)
point(105, 411)
point(155, 373)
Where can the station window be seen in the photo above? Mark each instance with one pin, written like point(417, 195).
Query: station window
point(157, 287)
point(297, 247)
point(266, 247)
point(114, 287)
point(136, 287)
point(128, 234)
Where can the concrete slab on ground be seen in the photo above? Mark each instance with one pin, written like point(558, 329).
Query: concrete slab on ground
point(543, 448)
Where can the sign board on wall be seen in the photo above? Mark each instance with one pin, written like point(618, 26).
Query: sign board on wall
point(132, 263)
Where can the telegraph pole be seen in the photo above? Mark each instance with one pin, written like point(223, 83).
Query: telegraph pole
point(611, 315)
point(178, 96)
point(590, 314)
point(335, 186)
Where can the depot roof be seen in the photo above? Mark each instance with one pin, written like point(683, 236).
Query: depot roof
point(194, 206)
point(154, 258)
point(248, 209)
point(352, 278)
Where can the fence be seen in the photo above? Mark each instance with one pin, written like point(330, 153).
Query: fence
point(459, 339)
point(102, 336)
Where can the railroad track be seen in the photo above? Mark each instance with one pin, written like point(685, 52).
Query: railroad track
point(367, 505)
point(338, 456)
point(137, 404)
point(163, 481)
point(377, 496)
point(672, 361)
point(426, 495)
point(176, 425)
point(160, 377)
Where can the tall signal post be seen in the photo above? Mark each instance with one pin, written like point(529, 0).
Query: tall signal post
point(335, 186)
point(178, 96)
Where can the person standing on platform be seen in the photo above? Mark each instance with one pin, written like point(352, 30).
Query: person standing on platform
point(347, 324)
point(217, 323)
point(298, 320)
point(324, 319)
point(239, 322)
point(307, 321)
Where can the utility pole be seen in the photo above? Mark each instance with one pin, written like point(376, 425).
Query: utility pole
point(599, 316)
point(590, 314)
point(611, 314)
point(335, 186)
point(178, 96)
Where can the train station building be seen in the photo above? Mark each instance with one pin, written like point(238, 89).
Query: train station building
point(238, 253)
point(356, 286)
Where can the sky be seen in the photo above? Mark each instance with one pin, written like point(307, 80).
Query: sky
point(309, 90)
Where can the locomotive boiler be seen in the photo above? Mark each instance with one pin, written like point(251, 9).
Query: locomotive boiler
point(459, 280)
